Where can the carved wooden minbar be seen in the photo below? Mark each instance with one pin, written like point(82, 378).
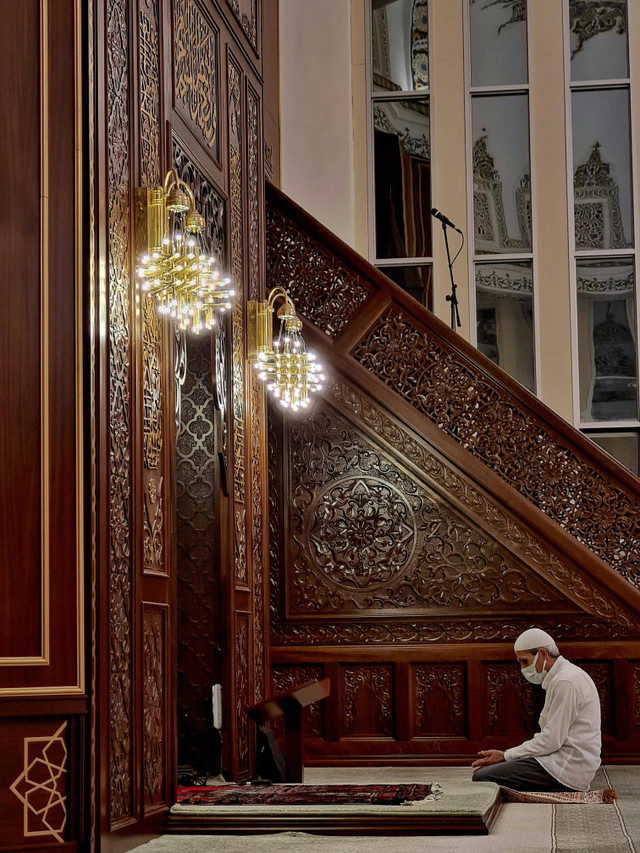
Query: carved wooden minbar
point(423, 513)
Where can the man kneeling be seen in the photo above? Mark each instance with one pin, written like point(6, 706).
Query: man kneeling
point(565, 753)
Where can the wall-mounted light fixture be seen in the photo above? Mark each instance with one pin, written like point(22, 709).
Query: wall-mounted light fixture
point(290, 372)
point(185, 281)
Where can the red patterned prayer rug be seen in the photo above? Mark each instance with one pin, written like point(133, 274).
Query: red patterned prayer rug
point(306, 795)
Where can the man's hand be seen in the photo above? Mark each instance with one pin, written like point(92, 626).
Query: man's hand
point(488, 756)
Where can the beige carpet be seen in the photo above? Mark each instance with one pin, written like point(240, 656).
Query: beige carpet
point(519, 828)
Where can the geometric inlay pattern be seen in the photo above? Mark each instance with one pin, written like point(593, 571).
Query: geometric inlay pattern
point(41, 785)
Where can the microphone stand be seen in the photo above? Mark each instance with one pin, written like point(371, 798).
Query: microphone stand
point(451, 297)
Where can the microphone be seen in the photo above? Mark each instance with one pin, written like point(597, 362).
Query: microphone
point(438, 215)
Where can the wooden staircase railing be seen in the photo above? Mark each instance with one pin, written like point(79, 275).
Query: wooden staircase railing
point(495, 430)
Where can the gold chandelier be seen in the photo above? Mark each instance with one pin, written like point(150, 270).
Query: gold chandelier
point(186, 283)
point(290, 372)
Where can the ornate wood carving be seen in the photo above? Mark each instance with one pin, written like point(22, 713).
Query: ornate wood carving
point(257, 414)
point(222, 391)
point(153, 683)
point(253, 178)
point(235, 169)
point(246, 11)
point(326, 290)
point(209, 202)
point(94, 619)
point(466, 404)
point(367, 700)
point(152, 385)
point(448, 680)
point(149, 76)
point(195, 72)
point(286, 678)
point(407, 632)
point(240, 551)
point(504, 683)
point(118, 224)
point(447, 478)
point(351, 474)
point(238, 403)
point(610, 620)
point(235, 202)
point(242, 640)
point(635, 674)
point(198, 587)
point(275, 490)
point(365, 535)
point(153, 520)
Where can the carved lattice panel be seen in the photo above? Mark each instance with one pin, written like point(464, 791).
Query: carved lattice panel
point(286, 678)
point(440, 704)
point(198, 584)
point(512, 705)
point(326, 291)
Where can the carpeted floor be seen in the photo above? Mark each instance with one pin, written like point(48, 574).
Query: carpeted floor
point(519, 828)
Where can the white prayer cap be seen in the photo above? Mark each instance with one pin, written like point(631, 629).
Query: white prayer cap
point(533, 638)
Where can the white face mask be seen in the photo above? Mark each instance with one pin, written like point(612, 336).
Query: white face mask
point(531, 674)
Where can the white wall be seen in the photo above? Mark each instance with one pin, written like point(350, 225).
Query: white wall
point(316, 148)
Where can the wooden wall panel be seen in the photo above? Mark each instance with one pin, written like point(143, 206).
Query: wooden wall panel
point(155, 711)
point(511, 704)
point(439, 700)
point(286, 678)
point(21, 251)
point(367, 698)
point(40, 450)
point(43, 704)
